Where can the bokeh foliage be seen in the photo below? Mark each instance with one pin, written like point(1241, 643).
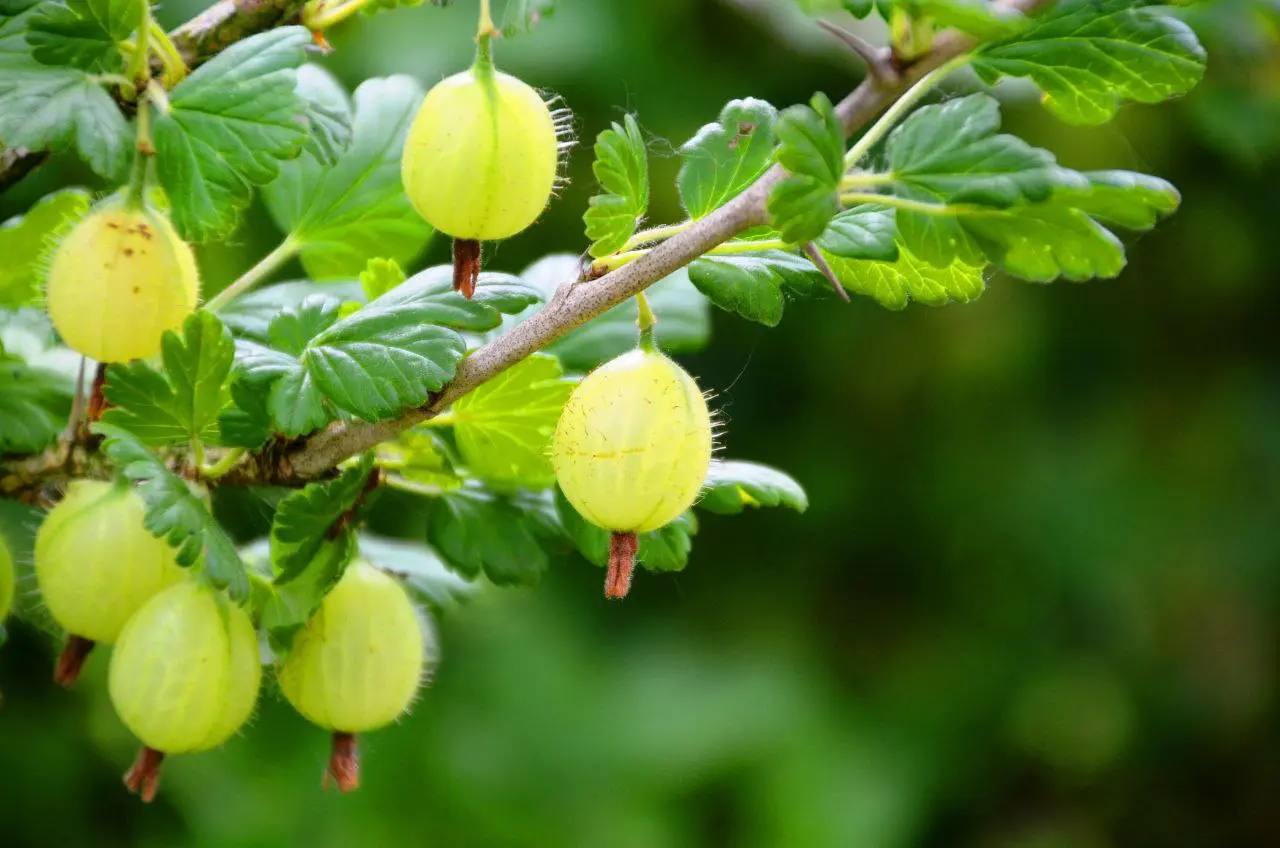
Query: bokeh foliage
point(1033, 601)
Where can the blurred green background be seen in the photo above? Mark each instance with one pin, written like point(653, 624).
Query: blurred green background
point(1034, 602)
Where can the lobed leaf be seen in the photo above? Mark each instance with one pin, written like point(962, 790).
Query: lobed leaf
point(750, 284)
point(83, 33)
point(726, 156)
point(227, 127)
point(895, 283)
point(327, 112)
point(733, 485)
point(33, 406)
point(61, 108)
point(504, 427)
point(182, 403)
point(1091, 56)
point(867, 231)
point(622, 169)
point(304, 520)
point(477, 531)
point(175, 512)
point(343, 214)
point(811, 147)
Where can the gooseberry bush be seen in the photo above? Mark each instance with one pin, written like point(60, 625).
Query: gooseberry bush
point(528, 414)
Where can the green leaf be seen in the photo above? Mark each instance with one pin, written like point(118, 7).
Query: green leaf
point(83, 33)
point(57, 107)
point(26, 240)
point(521, 16)
point(283, 608)
point(684, 316)
point(811, 147)
point(175, 512)
point(344, 214)
point(415, 456)
point(908, 278)
point(379, 277)
point(183, 403)
point(664, 549)
point(733, 485)
point(982, 19)
point(250, 315)
point(504, 427)
point(725, 157)
point(430, 293)
point(750, 284)
point(33, 407)
point(477, 531)
point(950, 153)
point(1124, 198)
point(622, 169)
point(246, 423)
point(1091, 56)
point(305, 519)
point(385, 358)
point(328, 113)
point(1043, 242)
point(867, 231)
point(227, 127)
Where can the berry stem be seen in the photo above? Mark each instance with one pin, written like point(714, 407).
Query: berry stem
point(645, 321)
point(72, 659)
point(139, 64)
point(265, 268)
point(136, 193)
point(143, 778)
point(483, 65)
point(655, 234)
point(344, 763)
point(622, 561)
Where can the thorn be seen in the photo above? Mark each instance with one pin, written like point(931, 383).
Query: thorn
point(67, 671)
point(344, 763)
point(143, 779)
point(878, 60)
point(816, 257)
point(622, 561)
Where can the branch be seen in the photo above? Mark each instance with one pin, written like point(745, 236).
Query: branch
point(198, 40)
point(575, 303)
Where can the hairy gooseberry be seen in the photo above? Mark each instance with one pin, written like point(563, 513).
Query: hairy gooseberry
point(96, 565)
point(631, 451)
point(118, 280)
point(480, 160)
point(357, 664)
point(184, 676)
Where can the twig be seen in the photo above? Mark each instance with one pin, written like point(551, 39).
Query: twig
point(572, 305)
point(575, 304)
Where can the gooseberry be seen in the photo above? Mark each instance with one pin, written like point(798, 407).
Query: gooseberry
point(118, 280)
point(96, 565)
point(184, 676)
point(631, 450)
point(480, 160)
point(357, 663)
